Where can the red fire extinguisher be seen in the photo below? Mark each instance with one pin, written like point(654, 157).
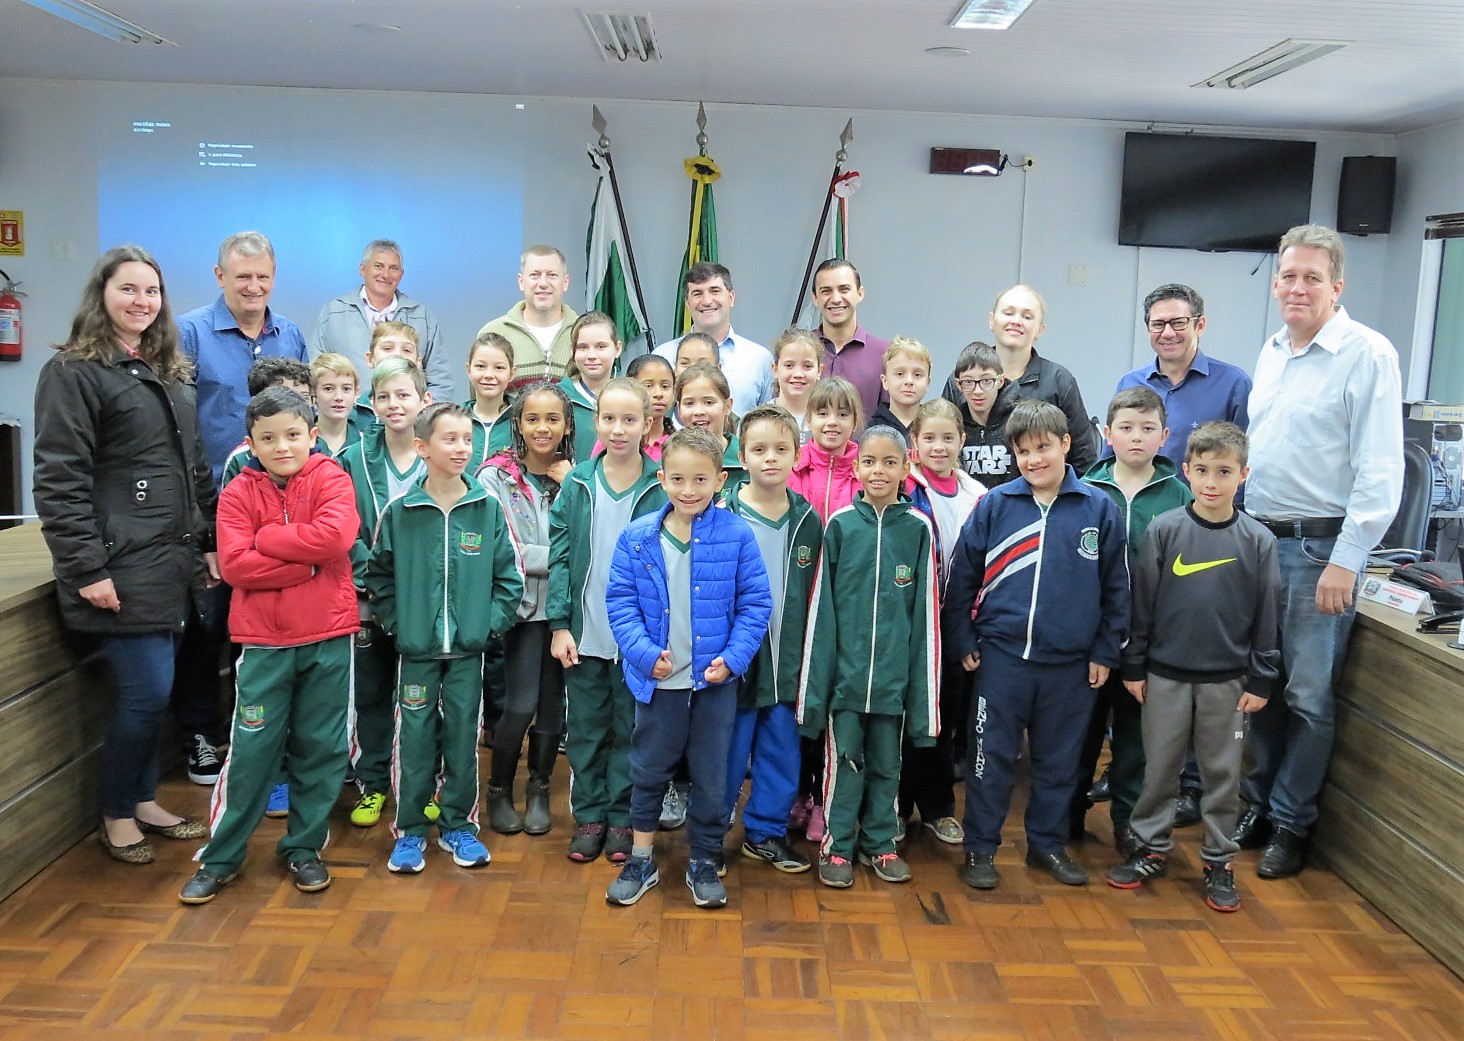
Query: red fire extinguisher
point(10, 336)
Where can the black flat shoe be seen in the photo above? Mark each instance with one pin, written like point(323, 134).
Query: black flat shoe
point(1187, 809)
point(979, 871)
point(310, 875)
point(1060, 866)
point(1283, 857)
point(1252, 831)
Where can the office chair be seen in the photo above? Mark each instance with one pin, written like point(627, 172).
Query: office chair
point(1406, 539)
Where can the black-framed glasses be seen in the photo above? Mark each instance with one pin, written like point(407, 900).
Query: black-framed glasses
point(985, 383)
point(1179, 325)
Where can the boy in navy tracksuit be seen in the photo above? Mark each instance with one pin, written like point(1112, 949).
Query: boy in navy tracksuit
point(689, 602)
point(1036, 606)
point(872, 652)
point(765, 733)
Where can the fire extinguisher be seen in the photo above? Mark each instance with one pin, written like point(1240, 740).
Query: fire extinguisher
point(10, 337)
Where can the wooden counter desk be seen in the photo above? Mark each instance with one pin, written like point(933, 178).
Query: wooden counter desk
point(54, 701)
point(1392, 811)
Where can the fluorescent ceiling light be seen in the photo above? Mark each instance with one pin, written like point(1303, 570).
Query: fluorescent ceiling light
point(1271, 62)
point(93, 18)
point(989, 14)
point(619, 36)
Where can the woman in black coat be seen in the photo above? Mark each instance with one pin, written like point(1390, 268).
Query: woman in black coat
point(126, 502)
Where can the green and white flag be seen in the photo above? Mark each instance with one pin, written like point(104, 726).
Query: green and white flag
point(606, 288)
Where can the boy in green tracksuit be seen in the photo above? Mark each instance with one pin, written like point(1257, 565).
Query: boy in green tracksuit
point(382, 466)
point(765, 729)
point(1142, 484)
point(444, 578)
point(595, 503)
point(872, 653)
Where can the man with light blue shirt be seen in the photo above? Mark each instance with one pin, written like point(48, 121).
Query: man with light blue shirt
point(345, 323)
point(226, 337)
point(1194, 387)
point(1326, 477)
point(748, 366)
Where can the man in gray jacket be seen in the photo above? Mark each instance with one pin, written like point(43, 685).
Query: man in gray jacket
point(346, 322)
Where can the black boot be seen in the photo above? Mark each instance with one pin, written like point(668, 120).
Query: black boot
point(543, 748)
point(502, 817)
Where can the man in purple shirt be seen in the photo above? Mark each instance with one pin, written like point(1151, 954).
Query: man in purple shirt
point(849, 351)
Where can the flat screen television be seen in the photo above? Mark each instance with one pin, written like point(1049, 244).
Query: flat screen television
point(1187, 191)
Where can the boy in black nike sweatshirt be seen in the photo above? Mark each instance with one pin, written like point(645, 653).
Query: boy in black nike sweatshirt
point(1203, 652)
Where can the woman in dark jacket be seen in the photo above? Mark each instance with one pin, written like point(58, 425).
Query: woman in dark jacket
point(126, 502)
point(1017, 319)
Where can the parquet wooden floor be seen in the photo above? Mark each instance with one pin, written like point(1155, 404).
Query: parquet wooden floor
point(527, 948)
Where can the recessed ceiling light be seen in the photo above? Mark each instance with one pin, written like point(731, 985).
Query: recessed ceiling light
point(989, 14)
point(619, 37)
point(378, 27)
point(1269, 63)
point(948, 52)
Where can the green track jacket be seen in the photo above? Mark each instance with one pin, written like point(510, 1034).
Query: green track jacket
point(569, 537)
point(443, 582)
point(873, 641)
point(774, 675)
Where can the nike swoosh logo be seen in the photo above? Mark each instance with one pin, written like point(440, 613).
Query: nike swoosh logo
point(1181, 568)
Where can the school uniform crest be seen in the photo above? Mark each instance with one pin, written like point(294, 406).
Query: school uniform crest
point(414, 695)
point(904, 574)
point(805, 556)
point(470, 543)
point(251, 716)
point(1088, 544)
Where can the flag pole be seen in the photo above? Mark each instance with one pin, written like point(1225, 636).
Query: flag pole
point(840, 157)
point(600, 126)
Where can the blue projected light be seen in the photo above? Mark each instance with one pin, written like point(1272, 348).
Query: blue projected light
point(321, 174)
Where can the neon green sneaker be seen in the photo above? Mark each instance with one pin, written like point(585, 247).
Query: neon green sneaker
point(368, 809)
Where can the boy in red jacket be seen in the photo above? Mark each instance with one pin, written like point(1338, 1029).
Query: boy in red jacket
point(286, 527)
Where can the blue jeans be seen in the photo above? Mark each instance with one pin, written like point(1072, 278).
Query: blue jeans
point(768, 737)
point(1291, 738)
point(697, 725)
point(142, 665)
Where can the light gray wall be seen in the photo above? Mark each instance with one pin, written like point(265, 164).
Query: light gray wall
point(933, 250)
point(1430, 162)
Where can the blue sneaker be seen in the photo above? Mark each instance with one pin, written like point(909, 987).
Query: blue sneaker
point(406, 855)
point(635, 879)
point(465, 848)
point(706, 887)
point(279, 801)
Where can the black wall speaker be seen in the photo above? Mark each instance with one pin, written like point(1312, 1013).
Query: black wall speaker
point(1365, 195)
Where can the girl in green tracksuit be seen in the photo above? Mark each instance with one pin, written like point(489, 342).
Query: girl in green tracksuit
point(871, 660)
point(596, 353)
point(598, 498)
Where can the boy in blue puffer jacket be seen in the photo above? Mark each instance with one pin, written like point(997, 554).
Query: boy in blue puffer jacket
point(689, 604)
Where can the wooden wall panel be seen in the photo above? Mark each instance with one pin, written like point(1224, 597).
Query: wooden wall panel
point(47, 727)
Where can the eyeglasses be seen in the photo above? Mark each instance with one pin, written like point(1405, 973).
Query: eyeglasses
point(1179, 325)
point(985, 383)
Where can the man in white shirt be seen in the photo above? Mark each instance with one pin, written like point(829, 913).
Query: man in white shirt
point(540, 325)
point(1326, 459)
point(345, 323)
point(748, 366)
